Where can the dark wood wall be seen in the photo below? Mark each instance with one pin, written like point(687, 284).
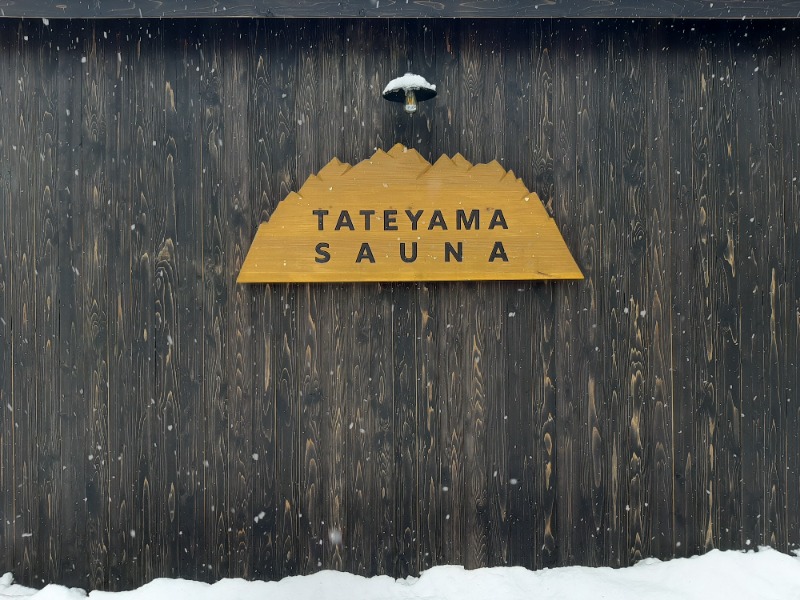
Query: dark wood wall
point(159, 420)
point(616, 9)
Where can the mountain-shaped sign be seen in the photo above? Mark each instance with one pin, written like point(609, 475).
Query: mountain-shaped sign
point(396, 217)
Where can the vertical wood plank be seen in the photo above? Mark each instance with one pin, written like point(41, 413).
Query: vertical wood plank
point(568, 399)
point(163, 426)
point(343, 426)
point(424, 61)
point(659, 494)
point(775, 329)
point(588, 206)
point(789, 105)
point(404, 334)
point(215, 296)
point(29, 243)
point(495, 297)
point(681, 88)
point(339, 309)
point(368, 535)
point(183, 129)
point(311, 407)
point(239, 332)
point(441, 116)
point(262, 140)
point(579, 390)
point(705, 430)
point(453, 405)
point(634, 183)
point(311, 395)
point(73, 409)
point(288, 323)
point(319, 126)
point(48, 475)
point(169, 340)
point(123, 556)
point(404, 394)
point(474, 393)
point(381, 491)
point(541, 396)
point(754, 297)
point(25, 385)
point(515, 361)
point(627, 176)
point(428, 484)
point(21, 387)
point(722, 114)
point(94, 187)
point(6, 306)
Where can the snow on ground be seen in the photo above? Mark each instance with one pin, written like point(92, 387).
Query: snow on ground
point(765, 574)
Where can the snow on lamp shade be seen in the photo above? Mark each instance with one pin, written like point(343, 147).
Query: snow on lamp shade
point(409, 89)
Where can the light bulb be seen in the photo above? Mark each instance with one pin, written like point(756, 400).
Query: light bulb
point(411, 102)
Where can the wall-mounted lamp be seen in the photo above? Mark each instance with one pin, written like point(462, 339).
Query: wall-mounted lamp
point(409, 89)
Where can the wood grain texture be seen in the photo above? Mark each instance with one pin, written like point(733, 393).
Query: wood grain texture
point(158, 419)
point(455, 221)
point(368, 533)
point(124, 420)
point(404, 395)
point(48, 426)
point(74, 515)
point(681, 88)
point(442, 125)
point(628, 88)
point(183, 126)
point(6, 321)
point(773, 253)
point(788, 104)
point(659, 395)
point(121, 9)
point(515, 350)
point(285, 359)
point(215, 298)
point(571, 391)
point(242, 451)
point(94, 184)
point(725, 245)
point(540, 52)
point(28, 339)
point(473, 392)
point(265, 514)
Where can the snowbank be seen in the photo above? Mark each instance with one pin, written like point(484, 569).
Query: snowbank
point(717, 575)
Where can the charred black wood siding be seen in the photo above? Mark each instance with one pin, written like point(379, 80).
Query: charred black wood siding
point(159, 420)
point(617, 9)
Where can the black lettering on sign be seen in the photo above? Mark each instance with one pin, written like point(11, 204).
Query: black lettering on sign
point(414, 218)
point(344, 221)
point(389, 220)
point(498, 220)
point(365, 253)
point(322, 251)
point(320, 215)
point(463, 222)
point(403, 255)
point(367, 214)
point(450, 251)
point(437, 220)
point(498, 252)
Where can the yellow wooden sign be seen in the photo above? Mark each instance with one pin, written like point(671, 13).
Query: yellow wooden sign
point(396, 217)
